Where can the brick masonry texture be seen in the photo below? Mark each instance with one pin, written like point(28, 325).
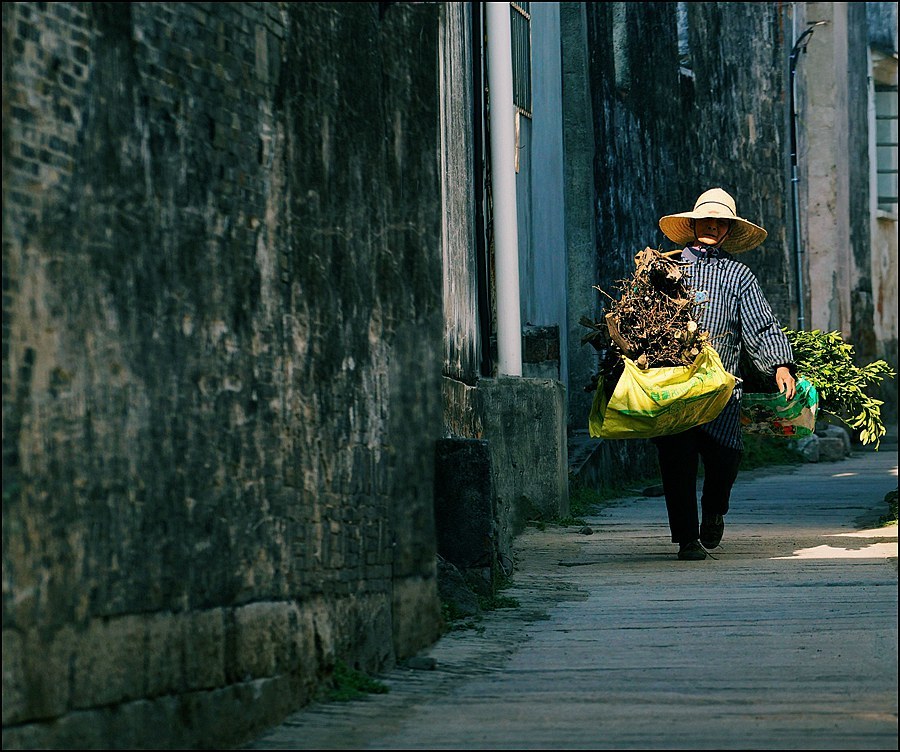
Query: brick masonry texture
point(221, 299)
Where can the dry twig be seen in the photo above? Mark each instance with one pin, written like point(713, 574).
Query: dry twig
point(654, 320)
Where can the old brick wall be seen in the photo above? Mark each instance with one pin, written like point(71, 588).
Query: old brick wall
point(221, 361)
point(739, 54)
point(664, 135)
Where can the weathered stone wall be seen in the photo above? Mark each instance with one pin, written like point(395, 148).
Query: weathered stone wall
point(851, 250)
point(881, 240)
point(664, 136)
point(581, 254)
point(862, 308)
point(873, 296)
point(462, 318)
point(522, 421)
point(824, 173)
point(222, 356)
point(739, 103)
point(638, 138)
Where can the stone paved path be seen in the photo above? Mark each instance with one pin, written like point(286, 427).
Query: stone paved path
point(786, 640)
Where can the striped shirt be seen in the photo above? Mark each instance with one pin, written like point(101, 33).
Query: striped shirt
point(729, 303)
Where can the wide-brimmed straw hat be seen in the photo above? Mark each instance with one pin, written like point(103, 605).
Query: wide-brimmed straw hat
point(744, 235)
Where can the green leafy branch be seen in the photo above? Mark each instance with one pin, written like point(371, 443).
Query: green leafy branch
point(826, 361)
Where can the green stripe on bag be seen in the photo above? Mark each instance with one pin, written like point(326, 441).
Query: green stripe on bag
point(661, 401)
point(775, 415)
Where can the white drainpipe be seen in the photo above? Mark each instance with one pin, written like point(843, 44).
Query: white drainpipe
point(503, 190)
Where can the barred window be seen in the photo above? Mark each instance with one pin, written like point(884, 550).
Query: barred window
point(883, 127)
point(886, 146)
point(520, 29)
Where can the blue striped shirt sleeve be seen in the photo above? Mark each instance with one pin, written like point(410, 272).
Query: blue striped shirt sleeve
point(764, 341)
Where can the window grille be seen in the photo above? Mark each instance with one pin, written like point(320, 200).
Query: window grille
point(520, 29)
point(886, 146)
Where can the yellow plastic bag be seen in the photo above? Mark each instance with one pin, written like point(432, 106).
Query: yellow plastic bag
point(661, 401)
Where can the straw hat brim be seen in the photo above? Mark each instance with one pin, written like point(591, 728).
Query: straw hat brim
point(744, 235)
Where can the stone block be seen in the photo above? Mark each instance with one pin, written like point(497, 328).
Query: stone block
point(262, 640)
point(150, 724)
point(831, 449)
point(236, 712)
point(109, 662)
point(807, 448)
point(84, 729)
point(828, 430)
point(455, 591)
point(204, 649)
point(417, 615)
point(165, 650)
point(464, 508)
point(39, 667)
point(28, 736)
point(525, 426)
point(304, 643)
point(14, 688)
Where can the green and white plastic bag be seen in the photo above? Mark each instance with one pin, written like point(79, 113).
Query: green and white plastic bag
point(775, 415)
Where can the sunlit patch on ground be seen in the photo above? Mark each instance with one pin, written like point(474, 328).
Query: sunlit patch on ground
point(877, 532)
point(880, 550)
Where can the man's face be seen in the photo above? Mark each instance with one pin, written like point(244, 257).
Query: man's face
point(711, 230)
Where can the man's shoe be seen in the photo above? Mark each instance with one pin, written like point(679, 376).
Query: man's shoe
point(692, 551)
point(711, 531)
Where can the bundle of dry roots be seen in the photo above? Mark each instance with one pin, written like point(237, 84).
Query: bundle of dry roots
point(653, 322)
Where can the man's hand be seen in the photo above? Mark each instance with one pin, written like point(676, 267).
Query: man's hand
point(785, 382)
